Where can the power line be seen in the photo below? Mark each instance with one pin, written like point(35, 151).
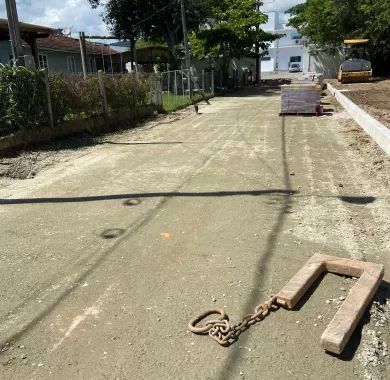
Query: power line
point(155, 14)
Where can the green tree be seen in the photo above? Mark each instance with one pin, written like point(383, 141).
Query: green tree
point(326, 23)
point(232, 31)
point(152, 19)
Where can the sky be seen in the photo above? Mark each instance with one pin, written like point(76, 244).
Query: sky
point(75, 14)
point(78, 14)
point(279, 5)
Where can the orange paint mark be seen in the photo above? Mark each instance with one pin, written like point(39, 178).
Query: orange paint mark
point(165, 235)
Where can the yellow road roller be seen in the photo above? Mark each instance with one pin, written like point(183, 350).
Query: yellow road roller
point(357, 67)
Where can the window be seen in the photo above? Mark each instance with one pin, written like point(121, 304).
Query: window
point(296, 36)
point(296, 59)
point(264, 59)
point(92, 65)
point(43, 61)
point(71, 64)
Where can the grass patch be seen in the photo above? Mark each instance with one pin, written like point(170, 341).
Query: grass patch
point(172, 102)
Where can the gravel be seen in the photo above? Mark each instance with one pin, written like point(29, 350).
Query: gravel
point(374, 352)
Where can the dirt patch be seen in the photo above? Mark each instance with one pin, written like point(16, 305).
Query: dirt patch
point(28, 162)
point(376, 160)
point(372, 97)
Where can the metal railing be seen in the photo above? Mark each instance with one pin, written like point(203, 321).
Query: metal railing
point(175, 87)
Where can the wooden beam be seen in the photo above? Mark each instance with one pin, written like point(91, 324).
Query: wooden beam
point(340, 329)
point(32, 42)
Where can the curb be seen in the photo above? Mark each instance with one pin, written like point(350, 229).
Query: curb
point(96, 125)
point(373, 127)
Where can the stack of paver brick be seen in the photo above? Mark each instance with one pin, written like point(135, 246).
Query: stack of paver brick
point(301, 98)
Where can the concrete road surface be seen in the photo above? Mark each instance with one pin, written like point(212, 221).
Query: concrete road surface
point(105, 258)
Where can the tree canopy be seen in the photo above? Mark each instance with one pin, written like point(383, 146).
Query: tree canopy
point(326, 23)
point(232, 31)
point(151, 19)
point(218, 28)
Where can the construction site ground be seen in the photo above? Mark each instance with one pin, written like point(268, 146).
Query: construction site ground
point(110, 245)
point(373, 97)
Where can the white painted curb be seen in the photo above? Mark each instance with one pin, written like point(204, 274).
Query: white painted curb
point(373, 127)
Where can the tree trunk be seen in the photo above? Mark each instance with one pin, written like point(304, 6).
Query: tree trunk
point(170, 39)
point(132, 43)
point(258, 73)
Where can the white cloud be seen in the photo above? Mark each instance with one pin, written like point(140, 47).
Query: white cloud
point(279, 5)
point(78, 14)
point(75, 14)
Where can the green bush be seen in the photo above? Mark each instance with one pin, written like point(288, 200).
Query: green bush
point(23, 99)
point(73, 97)
point(126, 91)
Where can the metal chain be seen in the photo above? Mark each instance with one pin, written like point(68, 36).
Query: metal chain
point(222, 331)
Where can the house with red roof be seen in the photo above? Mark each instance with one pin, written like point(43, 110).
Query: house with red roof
point(58, 52)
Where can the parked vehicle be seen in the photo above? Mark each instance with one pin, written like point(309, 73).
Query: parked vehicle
point(294, 67)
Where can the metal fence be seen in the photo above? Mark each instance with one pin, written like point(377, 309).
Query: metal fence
point(175, 87)
point(31, 99)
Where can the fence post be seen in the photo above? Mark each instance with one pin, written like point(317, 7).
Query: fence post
point(212, 82)
point(48, 95)
point(203, 81)
point(175, 86)
point(103, 92)
point(182, 82)
point(157, 96)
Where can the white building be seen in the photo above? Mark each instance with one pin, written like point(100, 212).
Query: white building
point(289, 48)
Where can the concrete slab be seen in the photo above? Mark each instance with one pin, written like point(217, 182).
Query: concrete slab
point(373, 127)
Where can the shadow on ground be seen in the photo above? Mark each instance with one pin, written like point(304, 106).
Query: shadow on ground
point(234, 357)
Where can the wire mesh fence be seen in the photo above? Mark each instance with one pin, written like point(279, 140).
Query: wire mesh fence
point(74, 98)
point(32, 99)
point(175, 86)
point(175, 89)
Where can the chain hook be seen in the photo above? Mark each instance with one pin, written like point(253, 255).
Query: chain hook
point(221, 330)
point(208, 325)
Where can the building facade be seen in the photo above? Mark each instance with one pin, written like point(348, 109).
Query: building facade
point(287, 49)
point(61, 53)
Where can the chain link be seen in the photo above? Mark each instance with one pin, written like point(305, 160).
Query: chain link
point(225, 333)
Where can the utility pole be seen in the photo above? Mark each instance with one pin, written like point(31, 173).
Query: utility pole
point(257, 47)
point(186, 48)
point(83, 52)
point(14, 32)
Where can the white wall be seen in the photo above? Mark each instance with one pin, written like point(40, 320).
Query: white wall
point(323, 63)
point(285, 47)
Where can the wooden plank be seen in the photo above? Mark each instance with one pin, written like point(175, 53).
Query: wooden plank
point(340, 329)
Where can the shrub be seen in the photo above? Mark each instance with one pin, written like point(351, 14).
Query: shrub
point(73, 97)
point(126, 91)
point(23, 99)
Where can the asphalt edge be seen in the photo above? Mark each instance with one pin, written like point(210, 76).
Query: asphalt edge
point(374, 128)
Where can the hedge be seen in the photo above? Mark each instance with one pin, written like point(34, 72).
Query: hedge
point(23, 97)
